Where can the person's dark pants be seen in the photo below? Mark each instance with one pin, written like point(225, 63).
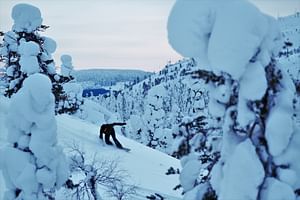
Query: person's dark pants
point(113, 135)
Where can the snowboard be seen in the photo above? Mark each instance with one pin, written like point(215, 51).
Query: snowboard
point(125, 149)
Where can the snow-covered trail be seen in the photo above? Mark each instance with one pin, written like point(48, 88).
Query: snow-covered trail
point(147, 167)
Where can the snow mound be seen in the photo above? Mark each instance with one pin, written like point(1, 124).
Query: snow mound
point(26, 18)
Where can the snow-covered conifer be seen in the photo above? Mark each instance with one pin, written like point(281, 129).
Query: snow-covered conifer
point(67, 66)
point(250, 92)
point(24, 52)
point(34, 166)
point(69, 99)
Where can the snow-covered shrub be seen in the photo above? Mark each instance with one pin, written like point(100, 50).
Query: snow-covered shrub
point(69, 95)
point(94, 173)
point(252, 95)
point(24, 52)
point(34, 166)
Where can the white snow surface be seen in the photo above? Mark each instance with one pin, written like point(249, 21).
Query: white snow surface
point(223, 34)
point(26, 18)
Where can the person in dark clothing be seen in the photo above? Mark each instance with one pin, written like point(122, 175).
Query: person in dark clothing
point(108, 130)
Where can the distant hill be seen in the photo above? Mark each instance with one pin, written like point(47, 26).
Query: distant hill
point(289, 57)
point(93, 78)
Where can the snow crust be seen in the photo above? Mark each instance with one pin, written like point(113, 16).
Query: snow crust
point(26, 18)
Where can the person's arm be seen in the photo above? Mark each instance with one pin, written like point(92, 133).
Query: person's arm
point(119, 124)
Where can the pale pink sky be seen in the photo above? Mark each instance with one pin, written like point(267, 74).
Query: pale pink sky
point(116, 33)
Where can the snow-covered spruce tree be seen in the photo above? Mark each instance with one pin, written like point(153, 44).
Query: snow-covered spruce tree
point(69, 99)
point(33, 165)
point(24, 51)
point(234, 44)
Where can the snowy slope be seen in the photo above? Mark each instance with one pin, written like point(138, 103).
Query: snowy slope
point(147, 167)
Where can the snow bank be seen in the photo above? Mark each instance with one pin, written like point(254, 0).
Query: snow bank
point(26, 18)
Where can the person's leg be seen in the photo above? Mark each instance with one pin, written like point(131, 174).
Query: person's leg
point(118, 144)
point(101, 134)
point(107, 141)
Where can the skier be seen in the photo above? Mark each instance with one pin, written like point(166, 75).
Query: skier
point(108, 130)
